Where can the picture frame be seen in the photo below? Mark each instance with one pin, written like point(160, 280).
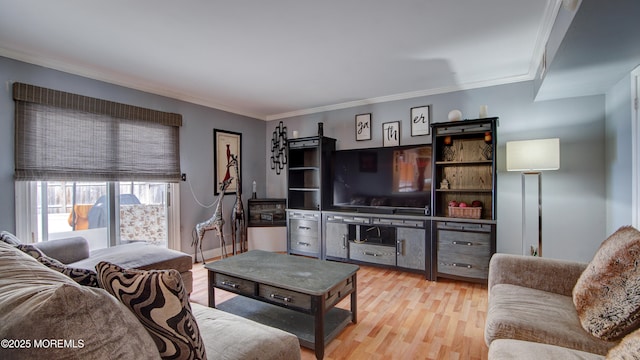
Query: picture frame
point(420, 120)
point(223, 140)
point(391, 133)
point(363, 127)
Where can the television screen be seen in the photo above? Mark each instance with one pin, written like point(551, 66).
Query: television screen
point(394, 177)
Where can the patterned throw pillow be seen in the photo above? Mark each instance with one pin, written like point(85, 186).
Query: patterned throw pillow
point(85, 277)
point(159, 300)
point(9, 238)
point(607, 294)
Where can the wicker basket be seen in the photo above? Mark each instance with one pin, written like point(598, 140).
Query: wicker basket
point(465, 212)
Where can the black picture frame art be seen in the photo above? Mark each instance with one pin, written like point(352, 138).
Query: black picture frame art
point(420, 120)
point(226, 143)
point(363, 127)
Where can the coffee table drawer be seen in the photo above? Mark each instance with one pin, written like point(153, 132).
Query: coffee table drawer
point(234, 284)
point(286, 297)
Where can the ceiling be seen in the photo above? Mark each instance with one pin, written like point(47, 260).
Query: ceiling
point(279, 58)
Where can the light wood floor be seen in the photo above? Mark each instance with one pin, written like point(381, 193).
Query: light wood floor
point(400, 316)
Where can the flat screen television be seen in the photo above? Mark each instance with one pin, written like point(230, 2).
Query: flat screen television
point(387, 179)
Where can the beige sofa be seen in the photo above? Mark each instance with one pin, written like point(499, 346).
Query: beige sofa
point(45, 314)
point(531, 313)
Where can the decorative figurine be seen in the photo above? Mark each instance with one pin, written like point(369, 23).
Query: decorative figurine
point(238, 223)
point(444, 184)
point(216, 222)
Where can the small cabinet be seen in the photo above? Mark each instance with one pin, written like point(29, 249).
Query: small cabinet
point(267, 212)
point(391, 240)
point(338, 233)
point(411, 248)
point(303, 232)
point(464, 249)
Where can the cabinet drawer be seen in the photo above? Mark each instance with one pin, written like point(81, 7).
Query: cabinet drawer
point(304, 227)
point(346, 219)
point(304, 243)
point(234, 284)
point(377, 254)
point(285, 297)
point(398, 222)
point(303, 143)
point(462, 226)
point(465, 241)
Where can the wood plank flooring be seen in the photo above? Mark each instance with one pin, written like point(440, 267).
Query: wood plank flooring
point(400, 316)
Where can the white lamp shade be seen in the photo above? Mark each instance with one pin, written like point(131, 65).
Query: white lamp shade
point(533, 155)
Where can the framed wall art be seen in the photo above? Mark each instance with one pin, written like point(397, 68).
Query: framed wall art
point(391, 133)
point(226, 143)
point(420, 120)
point(363, 127)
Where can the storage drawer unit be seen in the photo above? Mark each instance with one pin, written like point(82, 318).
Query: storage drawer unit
point(303, 232)
point(464, 249)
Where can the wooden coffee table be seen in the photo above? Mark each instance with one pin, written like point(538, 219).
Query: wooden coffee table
point(293, 293)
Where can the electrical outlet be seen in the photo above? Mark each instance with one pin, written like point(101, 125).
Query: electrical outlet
point(184, 177)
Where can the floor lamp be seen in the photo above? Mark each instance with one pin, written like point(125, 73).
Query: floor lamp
point(531, 157)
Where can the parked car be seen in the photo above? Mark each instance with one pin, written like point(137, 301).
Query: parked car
point(98, 216)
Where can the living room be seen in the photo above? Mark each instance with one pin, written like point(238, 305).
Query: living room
point(584, 202)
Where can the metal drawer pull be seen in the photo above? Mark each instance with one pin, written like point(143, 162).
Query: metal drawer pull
point(370, 253)
point(462, 243)
point(281, 298)
point(303, 243)
point(399, 247)
point(344, 241)
point(462, 265)
point(230, 284)
point(304, 228)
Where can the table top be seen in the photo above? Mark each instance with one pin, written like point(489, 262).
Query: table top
point(297, 273)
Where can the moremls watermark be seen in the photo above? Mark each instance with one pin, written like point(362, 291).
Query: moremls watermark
point(42, 344)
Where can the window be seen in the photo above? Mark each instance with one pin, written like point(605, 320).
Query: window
point(95, 168)
point(61, 209)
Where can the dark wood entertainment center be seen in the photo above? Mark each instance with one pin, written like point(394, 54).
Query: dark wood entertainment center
point(418, 233)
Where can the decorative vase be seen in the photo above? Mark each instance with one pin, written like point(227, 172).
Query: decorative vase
point(455, 115)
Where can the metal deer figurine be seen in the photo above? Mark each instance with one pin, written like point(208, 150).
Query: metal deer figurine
point(216, 222)
point(238, 224)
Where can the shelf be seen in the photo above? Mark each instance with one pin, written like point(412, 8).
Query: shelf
point(304, 189)
point(465, 190)
point(303, 168)
point(462, 163)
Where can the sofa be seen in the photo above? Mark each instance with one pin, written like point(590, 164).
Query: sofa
point(46, 314)
point(542, 308)
point(75, 252)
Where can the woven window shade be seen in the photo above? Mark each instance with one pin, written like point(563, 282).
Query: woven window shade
point(63, 136)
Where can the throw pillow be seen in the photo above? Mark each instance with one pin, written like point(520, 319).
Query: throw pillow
point(628, 348)
point(81, 276)
point(607, 294)
point(9, 238)
point(159, 300)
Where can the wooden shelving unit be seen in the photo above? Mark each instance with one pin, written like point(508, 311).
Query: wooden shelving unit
point(464, 170)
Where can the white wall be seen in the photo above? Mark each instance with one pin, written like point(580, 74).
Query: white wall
point(618, 161)
point(574, 206)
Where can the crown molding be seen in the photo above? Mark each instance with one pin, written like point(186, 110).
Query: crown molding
point(402, 96)
point(121, 81)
